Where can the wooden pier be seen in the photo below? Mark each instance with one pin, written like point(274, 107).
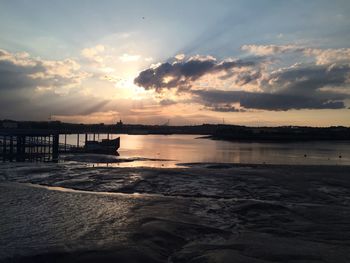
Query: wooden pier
point(38, 145)
point(29, 145)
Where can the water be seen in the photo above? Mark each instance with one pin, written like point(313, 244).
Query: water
point(82, 213)
point(170, 150)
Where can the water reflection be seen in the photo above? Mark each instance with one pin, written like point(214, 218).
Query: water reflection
point(187, 148)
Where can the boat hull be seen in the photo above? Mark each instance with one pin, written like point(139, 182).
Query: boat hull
point(104, 147)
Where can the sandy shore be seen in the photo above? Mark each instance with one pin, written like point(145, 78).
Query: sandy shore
point(204, 213)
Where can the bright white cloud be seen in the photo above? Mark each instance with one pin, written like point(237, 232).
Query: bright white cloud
point(24, 71)
point(18, 59)
point(329, 56)
point(264, 50)
point(94, 53)
point(180, 56)
point(148, 59)
point(129, 58)
point(321, 56)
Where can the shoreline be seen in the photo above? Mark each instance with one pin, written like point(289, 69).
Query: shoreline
point(271, 140)
point(95, 159)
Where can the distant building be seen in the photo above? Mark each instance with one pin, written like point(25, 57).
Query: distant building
point(119, 123)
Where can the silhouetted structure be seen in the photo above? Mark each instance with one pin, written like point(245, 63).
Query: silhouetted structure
point(29, 145)
point(215, 131)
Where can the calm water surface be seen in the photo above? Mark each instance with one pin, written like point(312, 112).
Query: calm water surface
point(173, 149)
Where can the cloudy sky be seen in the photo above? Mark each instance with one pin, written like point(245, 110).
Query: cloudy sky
point(267, 62)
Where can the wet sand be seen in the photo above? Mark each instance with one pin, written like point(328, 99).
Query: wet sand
point(203, 213)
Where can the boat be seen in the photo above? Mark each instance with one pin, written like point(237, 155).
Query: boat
point(105, 146)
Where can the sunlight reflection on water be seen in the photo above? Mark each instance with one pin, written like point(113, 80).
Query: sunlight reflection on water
point(173, 149)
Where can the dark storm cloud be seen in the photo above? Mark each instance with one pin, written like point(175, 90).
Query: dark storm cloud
point(311, 85)
point(307, 79)
point(14, 76)
point(182, 74)
point(223, 107)
point(264, 101)
point(302, 87)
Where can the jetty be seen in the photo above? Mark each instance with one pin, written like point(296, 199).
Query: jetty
point(35, 145)
point(29, 145)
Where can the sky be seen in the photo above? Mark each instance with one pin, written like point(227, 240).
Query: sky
point(256, 63)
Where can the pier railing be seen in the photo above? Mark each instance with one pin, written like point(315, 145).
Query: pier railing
point(37, 145)
point(28, 145)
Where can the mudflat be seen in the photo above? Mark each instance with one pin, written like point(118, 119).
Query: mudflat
point(202, 213)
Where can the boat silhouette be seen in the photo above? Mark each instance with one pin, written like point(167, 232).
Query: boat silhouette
point(105, 146)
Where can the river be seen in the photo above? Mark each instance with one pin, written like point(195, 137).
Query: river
point(170, 150)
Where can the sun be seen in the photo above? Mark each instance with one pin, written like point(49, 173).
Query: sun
point(128, 90)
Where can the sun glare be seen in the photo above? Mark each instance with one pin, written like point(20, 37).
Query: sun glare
point(127, 89)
